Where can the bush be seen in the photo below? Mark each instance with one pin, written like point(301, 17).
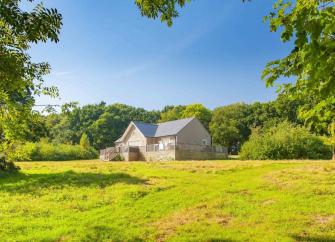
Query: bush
point(118, 157)
point(22, 152)
point(285, 141)
point(52, 152)
point(7, 165)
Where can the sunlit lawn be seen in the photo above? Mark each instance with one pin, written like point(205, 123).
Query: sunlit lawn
point(170, 201)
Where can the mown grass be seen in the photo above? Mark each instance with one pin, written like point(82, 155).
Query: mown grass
point(169, 201)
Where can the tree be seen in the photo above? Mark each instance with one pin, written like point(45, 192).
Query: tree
point(36, 128)
point(287, 108)
point(165, 9)
point(81, 118)
point(271, 113)
point(198, 111)
point(261, 114)
point(20, 78)
point(106, 130)
point(319, 116)
point(59, 130)
point(102, 123)
point(84, 142)
point(310, 24)
point(171, 113)
point(332, 135)
point(69, 107)
point(113, 122)
point(229, 126)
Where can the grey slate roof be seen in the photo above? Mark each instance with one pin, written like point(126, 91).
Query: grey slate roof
point(162, 129)
point(148, 130)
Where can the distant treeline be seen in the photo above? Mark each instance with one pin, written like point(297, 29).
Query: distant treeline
point(229, 125)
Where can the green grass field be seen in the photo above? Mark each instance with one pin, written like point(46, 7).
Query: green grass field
point(169, 201)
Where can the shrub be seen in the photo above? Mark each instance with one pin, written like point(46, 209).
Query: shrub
point(284, 141)
point(23, 152)
point(118, 157)
point(84, 142)
point(52, 152)
point(7, 165)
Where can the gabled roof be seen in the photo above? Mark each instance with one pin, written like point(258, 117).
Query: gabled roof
point(148, 130)
point(118, 140)
point(162, 129)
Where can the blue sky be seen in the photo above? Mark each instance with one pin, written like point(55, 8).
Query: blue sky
point(213, 54)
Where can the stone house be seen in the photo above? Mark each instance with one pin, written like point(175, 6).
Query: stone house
point(182, 139)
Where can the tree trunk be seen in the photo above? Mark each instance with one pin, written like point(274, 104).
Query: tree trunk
point(333, 152)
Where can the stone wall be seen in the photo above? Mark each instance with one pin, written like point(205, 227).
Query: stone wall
point(199, 155)
point(160, 155)
point(141, 154)
point(130, 156)
point(172, 155)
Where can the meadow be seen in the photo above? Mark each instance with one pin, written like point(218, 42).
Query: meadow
point(169, 201)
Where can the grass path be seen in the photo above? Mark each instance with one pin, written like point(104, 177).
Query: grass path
point(169, 201)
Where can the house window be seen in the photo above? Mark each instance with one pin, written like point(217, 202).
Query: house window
point(161, 145)
point(167, 141)
point(204, 142)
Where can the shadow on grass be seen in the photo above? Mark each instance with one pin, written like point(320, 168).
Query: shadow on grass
point(221, 240)
point(32, 183)
point(308, 238)
point(105, 233)
point(233, 157)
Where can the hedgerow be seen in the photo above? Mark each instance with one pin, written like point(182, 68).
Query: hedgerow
point(52, 152)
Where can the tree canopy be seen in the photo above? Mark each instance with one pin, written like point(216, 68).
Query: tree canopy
point(103, 124)
point(310, 25)
point(20, 78)
point(166, 10)
point(199, 111)
point(100, 125)
point(170, 113)
point(229, 127)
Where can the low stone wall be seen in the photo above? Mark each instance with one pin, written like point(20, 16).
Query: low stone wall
point(130, 156)
point(165, 155)
point(199, 155)
point(173, 155)
point(181, 152)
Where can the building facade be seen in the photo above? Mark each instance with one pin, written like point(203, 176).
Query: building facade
point(182, 139)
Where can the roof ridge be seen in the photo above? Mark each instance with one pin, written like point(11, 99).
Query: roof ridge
point(143, 122)
point(162, 129)
point(191, 118)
